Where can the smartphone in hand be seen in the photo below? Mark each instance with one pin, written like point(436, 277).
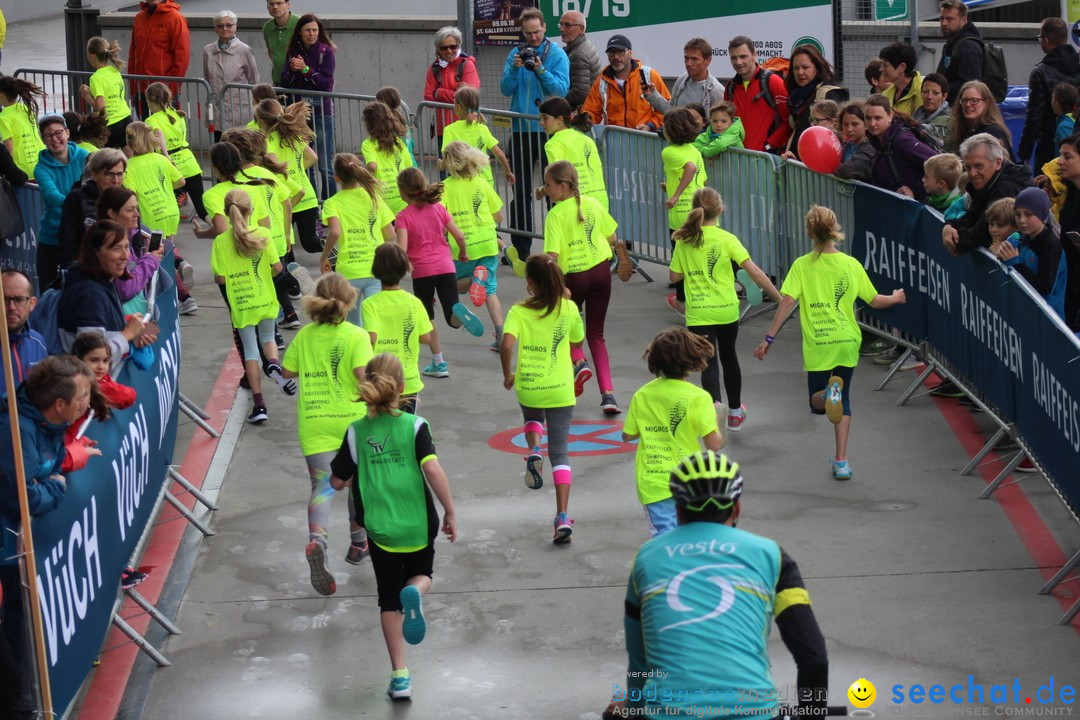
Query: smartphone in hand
point(155, 240)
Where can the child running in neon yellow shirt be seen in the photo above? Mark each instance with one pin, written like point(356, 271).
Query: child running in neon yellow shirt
point(669, 416)
point(359, 221)
point(385, 152)
point(684, 174)
point(476, 209)
point(18, 121)
point(826, 283)
point(106, 88)
point(704, 253)
point(172, 124)
point(328, 355)
point(471, 129)
point(244, 261)
point(568, 140)
point(544, 327)
point(287, 139)
point(153, 179)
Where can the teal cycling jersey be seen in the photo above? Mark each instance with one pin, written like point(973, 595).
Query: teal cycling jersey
point(699, 608)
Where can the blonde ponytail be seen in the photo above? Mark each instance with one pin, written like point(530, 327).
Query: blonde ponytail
point(381, 388)
point(238, 208)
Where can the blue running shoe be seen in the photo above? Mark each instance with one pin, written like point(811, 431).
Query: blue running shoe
point(473, 324)
point(400, 688)
point(841, 469)
point(753, 292)
point(415, 627)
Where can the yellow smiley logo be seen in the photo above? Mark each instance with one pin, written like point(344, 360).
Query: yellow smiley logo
point(862, 693)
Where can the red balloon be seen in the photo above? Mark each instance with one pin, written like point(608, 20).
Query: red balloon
point(820, 149)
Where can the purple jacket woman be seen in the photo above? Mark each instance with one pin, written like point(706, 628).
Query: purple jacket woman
point(898, 160)
point(309, 65)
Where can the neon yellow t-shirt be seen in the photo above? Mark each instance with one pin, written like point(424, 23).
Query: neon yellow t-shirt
point(710, 282)
point(579, 149)
point(151, 177)
point(88, 146)
point(544, 377)
point(387, 167)
point(675, 158)
point(671, 416)
point(398, 320)
point(275, 195)
point(362, 219)
point(826, 288)
point(176, 141)
point(293, 157)
point(476, 135)
point(107, 82)
point(473, 203)
point(579, 245)
point(325, 357)
point(18, 126)
point(214, 201)
point(249, 281)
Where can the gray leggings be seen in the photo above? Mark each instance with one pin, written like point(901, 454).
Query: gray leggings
point(557, 421)
point(265, 332)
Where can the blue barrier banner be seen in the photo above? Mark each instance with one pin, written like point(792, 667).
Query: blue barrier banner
point(1047, 391)
point(20, 253)
point(82, 546)
point(898, 251)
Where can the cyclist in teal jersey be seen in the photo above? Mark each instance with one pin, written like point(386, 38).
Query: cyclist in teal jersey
point(698, 605)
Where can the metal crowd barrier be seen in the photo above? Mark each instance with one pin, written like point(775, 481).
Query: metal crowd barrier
point(195, 98)
point(746, 179)
point(426, 146)
point(633, 172)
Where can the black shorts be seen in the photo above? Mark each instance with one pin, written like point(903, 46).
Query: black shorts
point(446, 285)
point(393, 570)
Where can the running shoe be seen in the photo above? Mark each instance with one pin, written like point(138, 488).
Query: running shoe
point(188, 306)
point(357, 552)
point(258, 415)
point(181, 199)
point(673, 303)
point(516, 263)
point(582, 375)
point(437, 370)
point(534, 463)
point(473, 324)
point(753, 292)
point(948, 389)
point(293, 290)
point(876, 346)
point(321, 577)
point(400, 688)
point(130, 577)
point(735, 421)
point(564, 527)
point(888, 357)
point(287, 385)
point(290, 322)
point(303, 278)
point(608, 404)
point(477, 290)
point(834, 399)
point(912, 362)
point(624, 268)
point(279, 340)
point(494, 346)
point(841, 469)
point(415, 627)
point(187, 273)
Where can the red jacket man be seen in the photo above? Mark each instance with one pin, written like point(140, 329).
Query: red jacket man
point(766, 123)
point(160, 44)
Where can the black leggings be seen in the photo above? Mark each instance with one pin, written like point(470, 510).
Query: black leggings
point(118, 133)
point(193, 186)
point(723, 339)
point(446, 286)
point(305, 229)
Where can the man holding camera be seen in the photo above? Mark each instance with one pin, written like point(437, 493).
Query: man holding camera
point(533, 71)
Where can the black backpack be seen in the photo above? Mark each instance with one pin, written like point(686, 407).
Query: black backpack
point(765, 94)
point(995, 72)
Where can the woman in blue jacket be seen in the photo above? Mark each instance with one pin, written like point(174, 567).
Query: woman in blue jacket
point(59, 168)
point(899, 155)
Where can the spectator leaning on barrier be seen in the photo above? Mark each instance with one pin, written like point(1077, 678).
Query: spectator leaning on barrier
point(228, 60)
point(277, 32)
point(961, 59)
point(696, 85)
point(1035, 251)
point(27, 346)
point(897, 164)
point(533, 71)
point(898, 63)
point(1061, 63)
point(1069, 171)
point(811, 80)
point(105, 169)
point(760, 98)
point(618, 97)
point(160, 45)
point(451, 68)
point(990, 176)
point(584, 60)
point(60, 166)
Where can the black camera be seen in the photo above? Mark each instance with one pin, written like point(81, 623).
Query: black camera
point(529, 57)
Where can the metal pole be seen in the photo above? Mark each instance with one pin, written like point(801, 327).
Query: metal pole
point(913, 14)
point(465, 24)
point(26, 555)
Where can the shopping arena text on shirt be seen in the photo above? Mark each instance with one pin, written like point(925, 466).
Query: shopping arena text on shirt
point(1050, 693)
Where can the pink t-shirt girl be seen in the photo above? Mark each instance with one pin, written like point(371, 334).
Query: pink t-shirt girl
point(428, 250)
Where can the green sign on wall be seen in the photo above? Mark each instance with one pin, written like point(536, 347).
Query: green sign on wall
point(890, 9)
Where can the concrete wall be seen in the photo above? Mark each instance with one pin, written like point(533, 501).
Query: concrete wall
point(372, 52)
